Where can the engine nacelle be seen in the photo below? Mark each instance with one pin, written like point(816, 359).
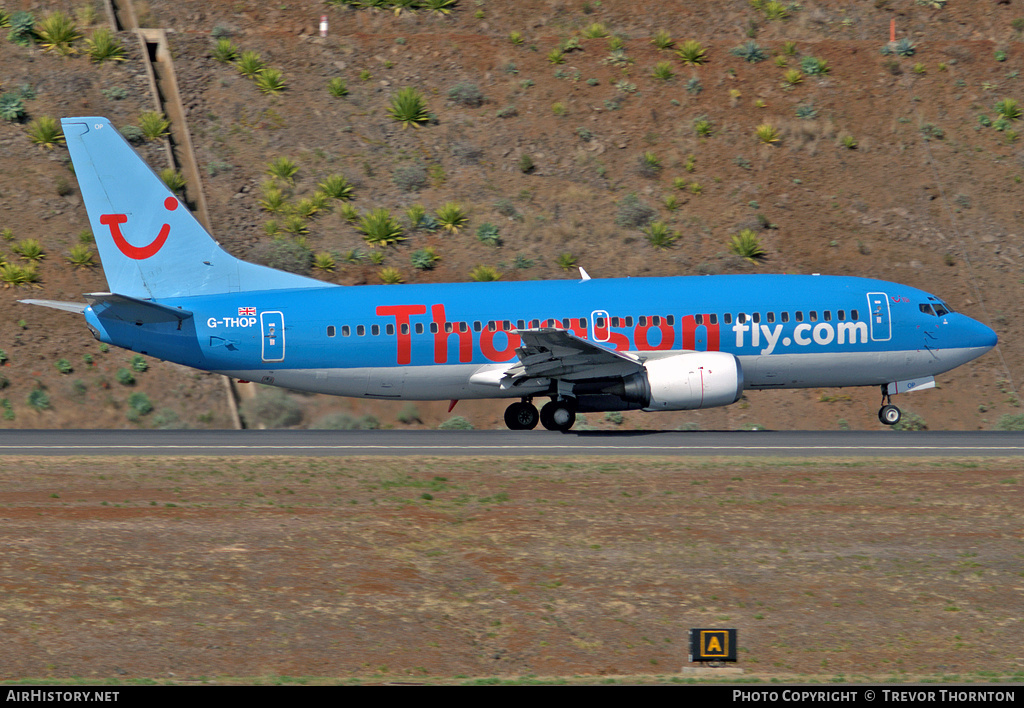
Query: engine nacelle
point(692, 380)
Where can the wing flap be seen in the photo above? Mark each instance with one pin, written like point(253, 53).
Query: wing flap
point(552, 353)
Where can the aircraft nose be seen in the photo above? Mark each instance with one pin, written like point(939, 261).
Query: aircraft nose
point(982, 336)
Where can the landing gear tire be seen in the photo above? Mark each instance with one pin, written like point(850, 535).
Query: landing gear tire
point(521, 416)
point(558, 415)
point(889, 415)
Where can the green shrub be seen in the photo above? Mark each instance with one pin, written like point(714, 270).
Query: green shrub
point(346, 421)
point(271, 408)
point(633, 213)
point(662, 40)
point(410, 178)
point(425, 258)
point(22, 28)
point(465, 93)
point(1011, 421)
point(566, 261)
point(15, 276)
point(750, 51)
point(812, 66)
point(456, 422)
point(125, 377)
point(38, 399)
point(284, 254)
point(663, 71)
point(63, 366)
point(910, 421)
point(488, 233)
point(11, 107)
point(694, 86)
point(139, 364)
point(140, 403)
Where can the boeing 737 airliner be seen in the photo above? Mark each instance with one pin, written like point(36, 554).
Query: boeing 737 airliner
point(656, 344)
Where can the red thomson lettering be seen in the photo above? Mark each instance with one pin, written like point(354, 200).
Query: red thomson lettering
point(441, 338)
point(690, 333)
point(493, 353)
point(668, 335)
point(401, 314)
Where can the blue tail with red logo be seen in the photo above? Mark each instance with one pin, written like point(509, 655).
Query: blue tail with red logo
point(150, 244)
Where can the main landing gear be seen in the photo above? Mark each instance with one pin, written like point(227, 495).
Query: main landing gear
point(888, 414)
point(556, 415)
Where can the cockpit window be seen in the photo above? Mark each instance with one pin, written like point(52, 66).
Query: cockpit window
point(941, 310)
point(926, 309)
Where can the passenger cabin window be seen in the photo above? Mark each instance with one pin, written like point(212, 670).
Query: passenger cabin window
point(756, 317)
point(419, 328)
point(671, 320)
point(330, 330)
point(812, 316)
point(799, 316)
point(477, 326)
point(827, 315)
point(841, 315)
point(390, 329)
point(345, 331)
point(433, 327)
point(520, 324)
point(405, 328)
point(785, 317)
point(713, 319)
point(854, 315)
point(375, 330)
point(361, 330)
point(727, 318)
point(599, 322)
point(699, 319)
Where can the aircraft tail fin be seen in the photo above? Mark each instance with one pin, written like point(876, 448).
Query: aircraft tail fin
point(150, 244)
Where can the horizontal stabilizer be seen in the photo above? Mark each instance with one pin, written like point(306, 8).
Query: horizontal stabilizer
point(130, 309)
point(78, 307)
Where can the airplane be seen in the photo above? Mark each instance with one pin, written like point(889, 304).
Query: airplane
point(588, 345)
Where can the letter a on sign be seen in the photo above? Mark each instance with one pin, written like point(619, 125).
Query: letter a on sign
point(712, 645)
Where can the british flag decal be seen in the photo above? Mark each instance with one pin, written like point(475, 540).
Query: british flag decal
point(246, 311)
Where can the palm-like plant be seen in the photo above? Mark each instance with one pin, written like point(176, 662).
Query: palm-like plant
point(45, 132)
point(103, 46)
point(792, 77)
point(390, 276)
point(767, 133)
point(409, 107)
point(484, 274)
point(746, 244)
point(154, 125)
point(283, 168)
point(452, 217)
point(271, 81)
point(324, 261)
point(660, 236)
point(29, 249)
point(337, 87)
point(692, 53)
point(663, 71)
point(439, 7)
point(81, 256)
point(225, 51)
point(662, 40)
point(425, 258)
point(379, 228)
point(1008, 109)
point(57, 32)
point(566, 261)
point(249, 64)
point(174, 180)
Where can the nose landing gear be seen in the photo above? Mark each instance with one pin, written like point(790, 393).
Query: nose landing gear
point(888, 414)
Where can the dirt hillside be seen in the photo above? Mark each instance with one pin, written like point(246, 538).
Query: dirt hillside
point(885, 165)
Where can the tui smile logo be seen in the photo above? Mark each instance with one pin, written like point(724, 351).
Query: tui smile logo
point(114, 221)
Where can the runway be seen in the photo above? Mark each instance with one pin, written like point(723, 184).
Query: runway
point(508, 443)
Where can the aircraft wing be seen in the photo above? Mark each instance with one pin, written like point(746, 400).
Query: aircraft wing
point(557, 354)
